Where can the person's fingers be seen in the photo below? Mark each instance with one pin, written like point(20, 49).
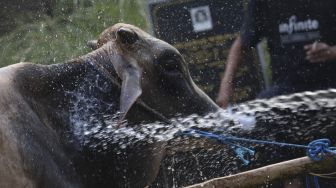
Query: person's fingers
point(317, 60)
point(318, 52)
point(322, 52)
point(316, 48)
point(312, 46)
point(310, 56)
point(222, 101)
point(308, 46)
point(315, 53)
point(319, 57)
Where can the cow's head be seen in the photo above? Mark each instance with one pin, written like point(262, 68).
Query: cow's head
point(152, 71)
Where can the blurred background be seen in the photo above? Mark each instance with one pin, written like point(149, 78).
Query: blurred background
point(52, 31)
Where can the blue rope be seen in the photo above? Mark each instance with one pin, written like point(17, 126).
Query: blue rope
point(316, 150)
point(316, 183)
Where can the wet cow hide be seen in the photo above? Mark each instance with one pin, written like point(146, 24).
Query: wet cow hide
point(51, 116)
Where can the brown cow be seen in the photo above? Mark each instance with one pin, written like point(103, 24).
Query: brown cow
point(131, 74)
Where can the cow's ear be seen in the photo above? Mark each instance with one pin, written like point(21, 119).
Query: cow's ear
point(130, 75)
point(93, 44)
point(130, 89)
point(126, 36)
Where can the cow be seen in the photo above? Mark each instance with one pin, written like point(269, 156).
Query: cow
point(130, 74)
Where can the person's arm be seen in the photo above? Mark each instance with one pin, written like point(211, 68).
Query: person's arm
point(253, 29)
point(236, 55)
point(320, 52)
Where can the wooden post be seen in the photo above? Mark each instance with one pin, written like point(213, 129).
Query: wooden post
point(283, 170)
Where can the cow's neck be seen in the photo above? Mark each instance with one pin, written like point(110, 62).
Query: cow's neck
point(101, 61)
point(47, 87)
point(48, 80)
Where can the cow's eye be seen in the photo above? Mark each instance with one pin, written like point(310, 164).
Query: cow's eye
point(172, 65)
point(170, 62)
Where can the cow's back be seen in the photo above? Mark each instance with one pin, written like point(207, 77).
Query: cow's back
point(30, 152)
point(12, 172)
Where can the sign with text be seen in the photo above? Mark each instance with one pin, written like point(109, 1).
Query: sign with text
point(203, 31)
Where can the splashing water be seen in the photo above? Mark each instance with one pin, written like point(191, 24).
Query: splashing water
point(298, 118)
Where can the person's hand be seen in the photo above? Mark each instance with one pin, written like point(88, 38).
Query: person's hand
point(320, 52)
point(223, 98)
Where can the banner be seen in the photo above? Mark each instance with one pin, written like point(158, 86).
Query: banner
point(203, 31)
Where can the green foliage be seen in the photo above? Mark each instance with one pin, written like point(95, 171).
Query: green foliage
point(64, 35)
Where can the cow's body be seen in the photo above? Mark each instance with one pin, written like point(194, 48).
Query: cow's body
point(32, 148)
point(44, 107)
point(42, 144)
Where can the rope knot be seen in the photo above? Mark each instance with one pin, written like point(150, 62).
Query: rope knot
point(317, 149)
